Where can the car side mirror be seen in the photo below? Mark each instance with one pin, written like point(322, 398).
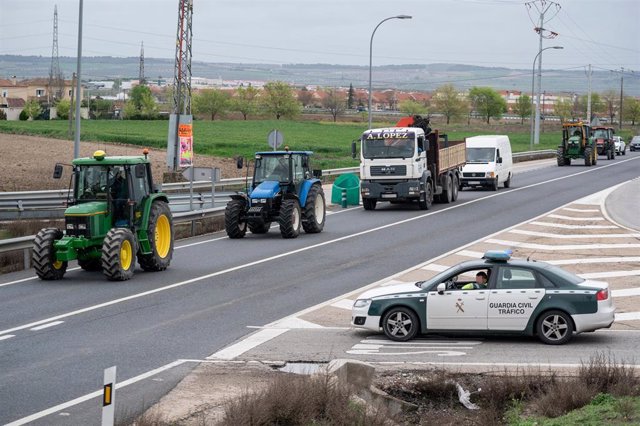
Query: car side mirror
point(57, 171)
point(317, 173)
point(499, 160)
point(353, 149)
point(239, 162)
point(441, 288)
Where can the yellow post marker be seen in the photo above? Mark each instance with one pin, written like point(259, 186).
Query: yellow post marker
point(108, 397)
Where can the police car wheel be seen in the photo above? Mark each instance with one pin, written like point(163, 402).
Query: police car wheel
point(400, 324)
point(554, 328)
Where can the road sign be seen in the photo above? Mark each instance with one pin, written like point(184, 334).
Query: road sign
point(202, 173)
point(108, 396)
point(275, 139)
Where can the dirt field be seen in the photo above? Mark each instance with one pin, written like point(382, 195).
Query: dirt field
point(28, 161)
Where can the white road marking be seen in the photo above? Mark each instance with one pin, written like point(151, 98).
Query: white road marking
point(579, 219)
point(570, 209)
point(42, 327)
point(343, 304)
point(392, 282)
point(571, 236)
point(564, 247)
point(248, 343)
point(629, 259)
point(627, 316)
point(565, 226)
point(612, 274)
point(626, 292)
point(31, 278)
point(294, 323)
point(7, 336)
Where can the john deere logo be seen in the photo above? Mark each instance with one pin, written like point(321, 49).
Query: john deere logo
point(460, 306)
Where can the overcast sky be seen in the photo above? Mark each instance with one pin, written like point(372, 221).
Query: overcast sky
point(605, 33)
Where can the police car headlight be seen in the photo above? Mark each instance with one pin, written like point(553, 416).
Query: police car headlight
point(362, 303)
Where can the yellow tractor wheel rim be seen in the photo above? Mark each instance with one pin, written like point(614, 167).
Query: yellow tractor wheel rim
point(163, 236)
point(126, 255)
point(57, 264)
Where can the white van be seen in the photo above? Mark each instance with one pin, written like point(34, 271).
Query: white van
point(489, 162)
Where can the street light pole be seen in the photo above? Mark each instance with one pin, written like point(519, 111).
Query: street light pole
point(536, 130)
point(371, 55)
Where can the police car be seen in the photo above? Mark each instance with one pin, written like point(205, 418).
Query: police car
point(520, 296)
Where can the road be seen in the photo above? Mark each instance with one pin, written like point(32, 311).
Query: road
point(57, 337)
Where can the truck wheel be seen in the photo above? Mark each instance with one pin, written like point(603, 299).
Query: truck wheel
point(494, 184)
point(425, 201)
point(560, 157)
point(314, 213)
point(454, 188)
point(588, 155)
point(290, 218)
point(44, 256)
point(445, 197)
point(259, 227)
point(118, 250)
point(554, 328)
point(160, 233)
point(233, 223)
point(507, 183)
point(400, 324)
point(90, 265)
point(369, 203)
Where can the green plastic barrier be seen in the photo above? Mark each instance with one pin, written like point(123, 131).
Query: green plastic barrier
point(351, 183)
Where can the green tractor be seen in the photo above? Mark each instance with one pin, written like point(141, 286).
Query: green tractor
point(115, 214)
point(284, 190)
point(577, 142)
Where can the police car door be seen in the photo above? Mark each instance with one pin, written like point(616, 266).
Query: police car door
point(515, 294)
point(457, 309)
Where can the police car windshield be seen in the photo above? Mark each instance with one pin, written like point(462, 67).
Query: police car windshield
point(481, 155)
point(388, 145)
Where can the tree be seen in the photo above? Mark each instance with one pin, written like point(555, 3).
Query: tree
point(411, 107)
point(32, 109)
point(610, 103)
point(212, 102)
point(277, 98)
point(244, 100)
point(563, 108)
point(350, 96)
point(391, 98)
point(63, 108)
point(487, 102)
point(597, 106)
point(631, 110)
point(100, 107)
point(141, 104)
point(334, 102)
point(522, 108)
point(305, 97)
point(447, 102)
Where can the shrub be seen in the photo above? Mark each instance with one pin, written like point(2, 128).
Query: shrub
point(23, 116)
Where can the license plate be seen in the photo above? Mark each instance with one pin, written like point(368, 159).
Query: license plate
point(388, 195)
point(473, 182)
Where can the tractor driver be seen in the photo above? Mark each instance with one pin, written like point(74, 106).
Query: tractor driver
point(282, 169)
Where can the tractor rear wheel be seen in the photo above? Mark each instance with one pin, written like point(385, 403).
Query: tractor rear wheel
point(290, 218)
point(314, 213)
point(560, 157)
point(588, 156)
point(90, 265)
point(369, 203)
point(118, 251)
point(259, 227)
point(160, 233)
point(233, 223)
point(44, 256)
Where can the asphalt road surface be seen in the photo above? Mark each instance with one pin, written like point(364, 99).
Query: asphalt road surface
point(56, 338)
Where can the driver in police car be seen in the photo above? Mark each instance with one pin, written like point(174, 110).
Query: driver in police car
point(480, 283)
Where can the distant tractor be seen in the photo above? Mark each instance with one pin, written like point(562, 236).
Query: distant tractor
point(284, 190)
point(114, 216)
point(604, 141)
point(577, 142)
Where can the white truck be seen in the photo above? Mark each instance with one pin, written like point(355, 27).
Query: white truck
point(409, 163)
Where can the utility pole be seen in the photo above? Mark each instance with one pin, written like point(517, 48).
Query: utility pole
point(76, 140)
point(589, 73)
point(621, 94)
point(55, 75)
point(73, 82)
point(141, 79)
point(542, 6)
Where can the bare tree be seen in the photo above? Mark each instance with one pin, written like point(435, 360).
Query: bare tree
point(334, 101)
point(305, 97)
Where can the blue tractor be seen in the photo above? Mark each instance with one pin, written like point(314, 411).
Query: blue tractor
point(284, 190)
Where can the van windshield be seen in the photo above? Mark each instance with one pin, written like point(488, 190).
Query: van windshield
point(481, 155)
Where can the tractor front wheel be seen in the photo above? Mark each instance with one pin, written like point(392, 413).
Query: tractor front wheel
point(588, 157)
point(118, 254)
point(314, 213)
point(233, 223)
point(290, 218)
point(560, 157)
point(160, 233)
point(44, 256)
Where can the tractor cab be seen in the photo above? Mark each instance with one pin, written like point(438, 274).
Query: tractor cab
point(282, 170)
